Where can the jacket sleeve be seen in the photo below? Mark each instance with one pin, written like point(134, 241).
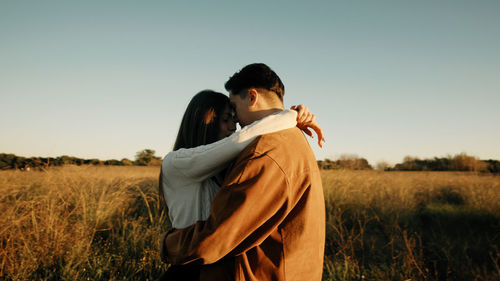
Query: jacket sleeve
point(247, 209)
point(202, 162)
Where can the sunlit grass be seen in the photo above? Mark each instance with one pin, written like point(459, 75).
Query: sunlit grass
point(81, 223)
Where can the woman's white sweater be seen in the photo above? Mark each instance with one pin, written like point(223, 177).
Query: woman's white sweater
point(187, 183)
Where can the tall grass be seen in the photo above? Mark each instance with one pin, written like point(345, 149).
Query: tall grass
point(80, 223)
point(105, 223)
point(412, 226)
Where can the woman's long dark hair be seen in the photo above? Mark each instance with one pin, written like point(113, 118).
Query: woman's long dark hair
point(200, 124)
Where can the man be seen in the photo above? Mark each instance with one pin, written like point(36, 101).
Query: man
point(267, 222)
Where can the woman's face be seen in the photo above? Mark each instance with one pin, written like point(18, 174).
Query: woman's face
point(227, 124)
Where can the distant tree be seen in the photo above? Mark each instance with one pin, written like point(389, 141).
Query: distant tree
point(45, 162)
point(78, 161)
point(326, 164)
point(409, 164)
point(7, 161)
point(459, 162)
point(65, 160)
point(464, 162)
point(113, 162)
point(36, 162)
point(382, 166)
point(14, 162)
point(353, 162)
point(346, 161)
point(493, 166)
point(126, 162)
point(147, 157)
point(93, 161)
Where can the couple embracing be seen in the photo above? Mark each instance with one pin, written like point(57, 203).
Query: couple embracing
point(245, 205)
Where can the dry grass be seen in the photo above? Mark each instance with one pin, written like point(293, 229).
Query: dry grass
point(412, 225)
point(80, 223)
point(105, 223)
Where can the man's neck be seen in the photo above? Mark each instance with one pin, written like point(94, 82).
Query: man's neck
point(266, 112)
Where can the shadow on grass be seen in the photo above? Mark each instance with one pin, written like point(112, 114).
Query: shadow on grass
point(457, 240)
point(443, 238)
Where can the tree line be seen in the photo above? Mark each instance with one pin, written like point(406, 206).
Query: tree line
point(144, 157)
point(459, 162)
point(348, 162)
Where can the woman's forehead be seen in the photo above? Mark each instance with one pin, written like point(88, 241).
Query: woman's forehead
point(229, 110)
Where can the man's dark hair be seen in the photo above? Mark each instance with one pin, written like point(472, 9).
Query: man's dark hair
point(256, 75)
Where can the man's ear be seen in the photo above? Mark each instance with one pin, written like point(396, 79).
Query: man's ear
point(253, 97)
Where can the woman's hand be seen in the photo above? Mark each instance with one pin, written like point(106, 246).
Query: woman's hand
point(306, 121)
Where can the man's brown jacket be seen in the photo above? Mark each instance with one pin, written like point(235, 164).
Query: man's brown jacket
point(267, 222)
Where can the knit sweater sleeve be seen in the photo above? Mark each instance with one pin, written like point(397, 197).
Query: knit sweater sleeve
point(202, 162)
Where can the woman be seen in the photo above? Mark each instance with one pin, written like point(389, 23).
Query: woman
point(206, 143)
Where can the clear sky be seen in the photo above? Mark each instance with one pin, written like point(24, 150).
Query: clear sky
point(386, 79)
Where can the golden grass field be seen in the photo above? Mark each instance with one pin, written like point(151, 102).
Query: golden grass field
point(106, 222)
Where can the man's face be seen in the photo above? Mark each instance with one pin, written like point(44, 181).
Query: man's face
point(240, 106)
